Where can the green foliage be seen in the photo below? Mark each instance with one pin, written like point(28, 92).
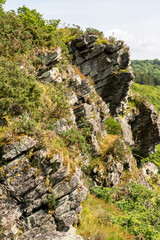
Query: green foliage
point(147, 71)
point(51, 201)
point(2, 2)
point(148, 92)
point(140, 206)
point(25, 125)
point(27, 30)
point(116, 149)
point(18, 92)
point(104, 193)
point(155, 158)
point(75, 137)
point(93, 31)
point(87, 169)
point(113, 126)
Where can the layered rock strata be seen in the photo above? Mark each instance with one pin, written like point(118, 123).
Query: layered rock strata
point(108, 65)
point(31, 183)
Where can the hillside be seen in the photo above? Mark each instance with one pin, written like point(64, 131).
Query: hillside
point(147, 71)
point(77, 148)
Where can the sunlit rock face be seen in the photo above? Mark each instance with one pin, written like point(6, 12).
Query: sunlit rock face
point(108, 65)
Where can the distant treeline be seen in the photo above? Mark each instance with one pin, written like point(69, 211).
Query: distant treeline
point(147, 71)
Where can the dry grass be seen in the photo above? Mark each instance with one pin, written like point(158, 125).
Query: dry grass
point(96, 221)
point(106, 143)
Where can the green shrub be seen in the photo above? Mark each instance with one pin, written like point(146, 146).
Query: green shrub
point(73, 137)
point(113, 126)
point(93, 31)
point(104, 193)
point(27, 30)
point(51, 202)
point(141, 91)
point(117, 150)
point(140, 208)
point(18, 92)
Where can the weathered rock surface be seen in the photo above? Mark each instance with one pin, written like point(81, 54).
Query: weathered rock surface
point(149, 169)
point(10, 151)
point(88, 110)
point(32, 186)
point(146, 130)
point(109, 67)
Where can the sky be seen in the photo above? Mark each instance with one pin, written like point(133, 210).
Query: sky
point(137, 22)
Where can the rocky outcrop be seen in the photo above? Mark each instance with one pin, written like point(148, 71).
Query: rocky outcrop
point(146, 130)
point(88, 110)
point(38, 195)
point(108, 65)
point(41, 191)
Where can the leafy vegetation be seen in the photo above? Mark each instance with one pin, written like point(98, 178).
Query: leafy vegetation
point(140, 206)
point(51, 202)
point(18, 92)
point(147, 72)
point(147, 92)
point(113, 126)
point(76, 137)
point(27, 30)
point(96, 221)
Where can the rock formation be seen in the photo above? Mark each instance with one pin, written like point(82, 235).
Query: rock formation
point(31, 183)
point(41, 191)
point(146, 130)
point(108, 65)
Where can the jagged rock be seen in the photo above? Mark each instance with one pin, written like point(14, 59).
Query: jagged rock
point(77, 196)
point(30, 183)
point(50, 235)
point(38, 219)
point(9, 214)
point(114, 174)
point(51, 58)
point(11, 151)
point(61, 126)
point(83, 42)
point(149, 169)
point(59, 175)
point(62, 206)
point(146, 130)
point(66, 187)
point(73, 99)
point(105, 64)
point(127, 131)
point(75, 80)
point(52, 75)
point(66, 220)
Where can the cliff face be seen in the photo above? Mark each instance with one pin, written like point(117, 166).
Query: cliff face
point(41, 187)
point(31, 183)
point(108, 65)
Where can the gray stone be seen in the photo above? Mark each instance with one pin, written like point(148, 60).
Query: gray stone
point(109, 67)
point(66, 220)
point(52, 75)
point(127, 131)
point(11, 151)
point(61, 126)
point(51, 57)
point(63, 188)
point(149, 169)
point(146, 130)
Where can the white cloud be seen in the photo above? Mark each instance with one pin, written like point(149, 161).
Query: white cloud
point(123, 35)
point(141, 47)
